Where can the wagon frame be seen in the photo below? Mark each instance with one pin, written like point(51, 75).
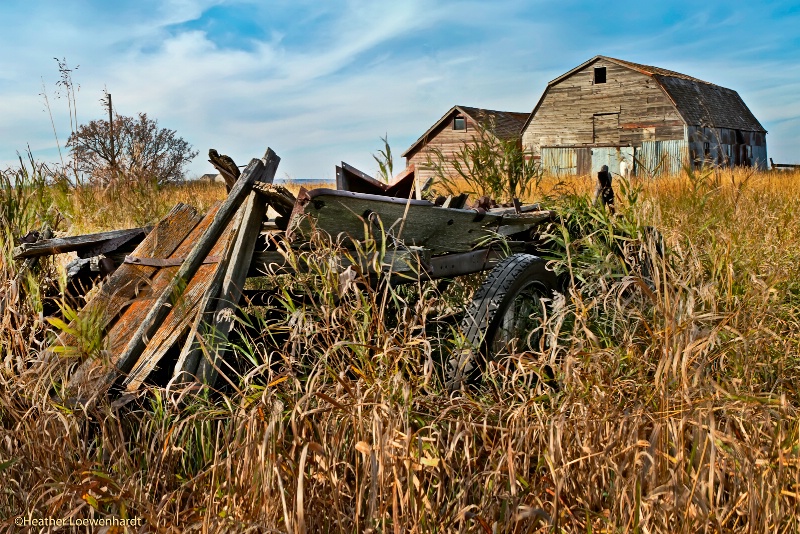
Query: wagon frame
point(213, 254)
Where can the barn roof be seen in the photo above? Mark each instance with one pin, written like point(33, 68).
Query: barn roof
point(507, 124)
point(699, 103)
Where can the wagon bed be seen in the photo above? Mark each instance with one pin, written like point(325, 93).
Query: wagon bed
point(168, 284)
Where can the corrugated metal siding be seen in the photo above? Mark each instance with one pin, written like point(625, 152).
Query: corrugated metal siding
point(559, 161)
point(611, 156)
point(760, 157)
point(661, 157)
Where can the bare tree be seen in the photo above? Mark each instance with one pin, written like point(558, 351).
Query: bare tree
point(131, 147)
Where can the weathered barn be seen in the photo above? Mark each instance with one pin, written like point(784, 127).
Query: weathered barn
point(457, 127)
point(608, 110)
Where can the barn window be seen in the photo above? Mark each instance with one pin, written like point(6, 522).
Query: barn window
point(459, 123)
point(599, 75)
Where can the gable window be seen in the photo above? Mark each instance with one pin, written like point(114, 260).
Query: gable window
point(459, 122)
point(599, 75)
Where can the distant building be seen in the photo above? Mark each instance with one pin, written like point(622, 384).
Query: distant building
point(456, 128)
point(213, 177)
point(608, 110)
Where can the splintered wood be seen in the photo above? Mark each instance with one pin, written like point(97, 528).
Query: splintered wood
point(185, 268)
point(167, 311)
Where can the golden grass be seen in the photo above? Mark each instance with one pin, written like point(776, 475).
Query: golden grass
point(90, 209)
point(676, 409)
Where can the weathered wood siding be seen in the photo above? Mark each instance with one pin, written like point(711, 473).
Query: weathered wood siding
point(445, 139)
point(625, 111)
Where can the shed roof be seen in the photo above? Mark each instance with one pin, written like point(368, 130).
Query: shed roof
point(506, 124)
point(700, 103)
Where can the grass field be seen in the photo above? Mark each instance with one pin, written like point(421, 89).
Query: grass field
point(676, 406)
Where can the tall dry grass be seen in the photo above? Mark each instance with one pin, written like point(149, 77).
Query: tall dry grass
point(675, 406)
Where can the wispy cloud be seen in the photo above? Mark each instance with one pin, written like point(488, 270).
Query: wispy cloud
point(321, 81)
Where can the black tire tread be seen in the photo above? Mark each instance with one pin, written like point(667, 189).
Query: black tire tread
point(490, 297)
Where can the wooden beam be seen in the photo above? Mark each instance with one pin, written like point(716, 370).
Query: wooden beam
point(248, 231)
point(128, 280)
point(80, 243)
point(182, 313)
point(281, 199)
point(173, 293)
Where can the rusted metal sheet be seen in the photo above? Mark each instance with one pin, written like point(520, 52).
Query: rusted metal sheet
point(560, 161)
point(165, 262)
point(450, 265)
point(662, 157)
point(348, 178)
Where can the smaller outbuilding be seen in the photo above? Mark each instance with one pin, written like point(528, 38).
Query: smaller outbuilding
point(460, 126)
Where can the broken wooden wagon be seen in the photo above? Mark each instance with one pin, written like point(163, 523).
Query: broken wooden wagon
point(180, 282)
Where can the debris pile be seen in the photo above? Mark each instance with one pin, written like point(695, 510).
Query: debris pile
point(167, 304)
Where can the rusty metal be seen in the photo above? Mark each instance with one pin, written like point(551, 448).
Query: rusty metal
point(450, 265)
point(560, 161)
point(611, 156)
point(661, 157)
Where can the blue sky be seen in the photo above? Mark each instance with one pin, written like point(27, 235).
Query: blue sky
point(320, 82)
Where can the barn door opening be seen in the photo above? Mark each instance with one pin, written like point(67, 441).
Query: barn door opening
point(605, 128)
point(611, 156)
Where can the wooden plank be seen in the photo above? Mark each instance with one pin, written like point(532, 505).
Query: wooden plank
point(177, 285)
point(278, 197)
point(398, 261)
point(78, 243)
point(348, 178)
point(181, 315)
point(438, 229)
point(236, 274)
point(131, 318)
point(128, 279)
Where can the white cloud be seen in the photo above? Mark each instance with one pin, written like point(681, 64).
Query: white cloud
point(329, 95)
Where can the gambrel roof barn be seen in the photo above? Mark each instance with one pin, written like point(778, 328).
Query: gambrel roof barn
point(607, 110)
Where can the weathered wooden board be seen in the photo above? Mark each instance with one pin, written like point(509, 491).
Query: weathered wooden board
point(81, 243)
point(247, 232)
point(92, 377)
point(565, 115)
point(119, 334)
point(129, 280)
point(181, 315)
point(438, 229)
point(278, 197)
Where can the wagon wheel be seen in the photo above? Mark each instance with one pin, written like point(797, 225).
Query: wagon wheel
point(503, 317)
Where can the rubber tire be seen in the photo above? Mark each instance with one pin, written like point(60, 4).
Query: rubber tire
point(484, 314)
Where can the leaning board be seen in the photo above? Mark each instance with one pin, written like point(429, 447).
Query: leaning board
point(131, 302)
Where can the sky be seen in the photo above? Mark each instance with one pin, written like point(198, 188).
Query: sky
point(322, 81)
